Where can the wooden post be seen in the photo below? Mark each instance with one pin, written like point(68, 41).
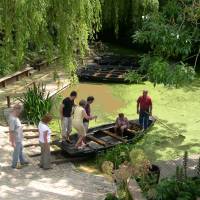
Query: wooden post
point(8, 101)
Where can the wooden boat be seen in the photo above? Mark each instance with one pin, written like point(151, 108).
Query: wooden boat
point(104, 73)
point(104, 137)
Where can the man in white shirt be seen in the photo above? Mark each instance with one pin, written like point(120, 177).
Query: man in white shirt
point(16, 137)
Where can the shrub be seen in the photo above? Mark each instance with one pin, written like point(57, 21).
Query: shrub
point(132, 76)
point(159, 70)
point(36, 103)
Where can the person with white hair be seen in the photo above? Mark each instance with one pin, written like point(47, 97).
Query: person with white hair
point(16, 137)
point(79, 114)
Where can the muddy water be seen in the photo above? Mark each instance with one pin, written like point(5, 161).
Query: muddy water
point(105, 106)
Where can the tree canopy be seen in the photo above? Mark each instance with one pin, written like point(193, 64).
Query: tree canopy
point(46, 25)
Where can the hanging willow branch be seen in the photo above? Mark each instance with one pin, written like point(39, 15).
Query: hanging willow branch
point(46, 25)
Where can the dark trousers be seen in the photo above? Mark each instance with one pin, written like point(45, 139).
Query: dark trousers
point(144, 119)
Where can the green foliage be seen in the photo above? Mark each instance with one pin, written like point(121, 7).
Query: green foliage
point(110, 196)
point(46, 25)
point(116, 155)
point(132, 76)
point(119, 13)
point(36, 103)
point(170, 188)
point(177, 32)
point(159, 70)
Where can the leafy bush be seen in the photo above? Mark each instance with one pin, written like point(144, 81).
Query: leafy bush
point(36, 103)
point(176, 29)
point(159, 70)
point(132, 77)
point(170, 188)
point(116, 155)
point(110, 196)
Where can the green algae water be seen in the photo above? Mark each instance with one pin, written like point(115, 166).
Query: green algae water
point(177, 109)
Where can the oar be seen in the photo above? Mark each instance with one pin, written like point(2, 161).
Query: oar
point(165, 125)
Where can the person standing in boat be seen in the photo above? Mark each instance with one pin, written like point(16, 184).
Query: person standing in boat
point(144, 109)
point(65, 112)
point(90, 100)
point(121, 123)
point(77, 121)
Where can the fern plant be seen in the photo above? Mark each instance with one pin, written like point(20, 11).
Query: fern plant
point(36, 103)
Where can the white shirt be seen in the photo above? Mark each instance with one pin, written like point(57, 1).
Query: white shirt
point(43, 128)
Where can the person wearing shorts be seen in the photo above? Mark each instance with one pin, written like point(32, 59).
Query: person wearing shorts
point(77, 121)
point(66, 112)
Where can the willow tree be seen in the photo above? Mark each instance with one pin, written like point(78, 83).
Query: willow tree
point(48, 25)
point(118, 14)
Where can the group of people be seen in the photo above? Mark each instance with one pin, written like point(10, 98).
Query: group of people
point(72, 115)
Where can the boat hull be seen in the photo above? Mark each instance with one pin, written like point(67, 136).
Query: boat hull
point(103, 137)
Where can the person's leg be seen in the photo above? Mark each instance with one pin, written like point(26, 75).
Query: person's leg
point(122, 128)
point(81, 131)
point(47, 156)
point(21, 156)
point(141, 119)
point(69, 127)
point(64, 128)
point(86, 125)
point(79, 142)
point(16, 155)
point(146, 120)
point(42, 154)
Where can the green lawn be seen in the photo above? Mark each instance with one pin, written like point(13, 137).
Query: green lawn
point(178, 108)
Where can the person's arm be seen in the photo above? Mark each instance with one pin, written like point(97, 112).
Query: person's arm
point(12, 138)
point(88, 117)
point(11, 133)
point(61, 110)
point(138, 105)
point(150, 107)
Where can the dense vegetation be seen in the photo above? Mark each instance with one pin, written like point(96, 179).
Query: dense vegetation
point(46, 26)
point(168, 30)
point(36, 103)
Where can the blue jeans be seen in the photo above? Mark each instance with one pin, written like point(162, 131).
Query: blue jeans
point(144, 119)
point(18, 154)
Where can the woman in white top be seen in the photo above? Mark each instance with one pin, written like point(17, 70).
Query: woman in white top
point(77, 122)
point(44, 140)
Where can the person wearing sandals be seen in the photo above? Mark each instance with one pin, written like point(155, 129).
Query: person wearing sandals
point(90, 100)
point(77, 121)
point(44, 140)
point(65, 112)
